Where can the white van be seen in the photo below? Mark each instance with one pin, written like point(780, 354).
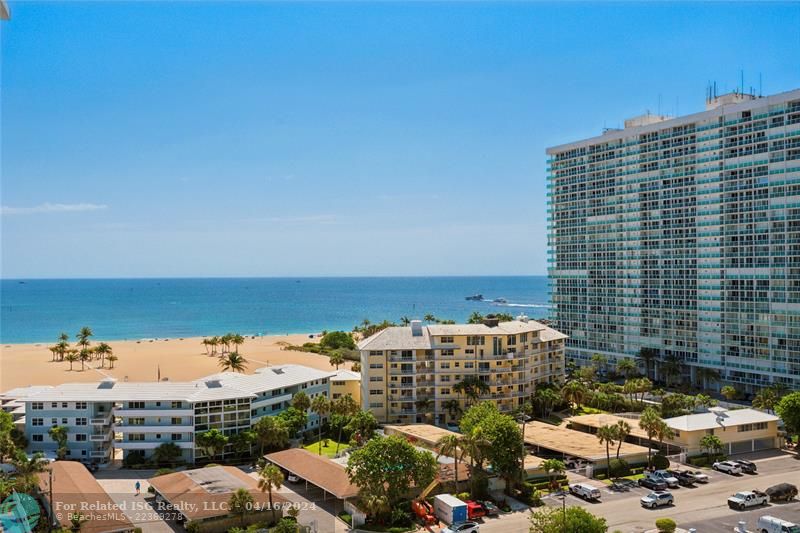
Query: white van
point(585, 491)
point(770, 524)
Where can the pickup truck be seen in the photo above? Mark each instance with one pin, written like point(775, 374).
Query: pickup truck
point(685, 479)
point(743, 500)
point(666, 477)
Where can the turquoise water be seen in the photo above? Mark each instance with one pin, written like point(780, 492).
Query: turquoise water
point(38, 310)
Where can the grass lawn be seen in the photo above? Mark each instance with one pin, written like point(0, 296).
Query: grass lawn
point(633, 477)
point(584, 410)
point(552, 419)
point(329, 450)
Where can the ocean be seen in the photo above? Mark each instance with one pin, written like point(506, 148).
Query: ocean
point(116, 309)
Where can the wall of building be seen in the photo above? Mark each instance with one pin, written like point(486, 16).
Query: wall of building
point(734, 440)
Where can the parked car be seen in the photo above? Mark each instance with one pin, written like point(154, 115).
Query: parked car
point(770, 524)
point(782, 492)
point(657, 499)
point(729, 467)
point(291, 478)
point(684, 478)
point(490, 508)
point(747, 467)
point(652, 483)
point(699, 476)
point(664, 476)
point(743, 500)
point(462, 527)
point(585, 491)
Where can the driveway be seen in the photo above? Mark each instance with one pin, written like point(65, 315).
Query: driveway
point(120, 486)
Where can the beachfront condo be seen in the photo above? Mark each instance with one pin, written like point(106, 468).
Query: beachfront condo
point(411, 374)
point(105, 416)
point(679, 239)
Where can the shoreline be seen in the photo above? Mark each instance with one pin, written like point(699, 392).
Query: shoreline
point(175, 359)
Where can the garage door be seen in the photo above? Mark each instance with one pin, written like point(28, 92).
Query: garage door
point(741, 447)
point(764, 444)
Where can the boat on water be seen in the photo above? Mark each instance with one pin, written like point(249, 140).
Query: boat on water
point(500, 301)
point(475, 298)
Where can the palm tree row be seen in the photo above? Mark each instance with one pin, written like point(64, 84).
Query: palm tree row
point(224, 343)
point(84, 352)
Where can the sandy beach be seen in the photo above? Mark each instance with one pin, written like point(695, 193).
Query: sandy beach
point(178, 359)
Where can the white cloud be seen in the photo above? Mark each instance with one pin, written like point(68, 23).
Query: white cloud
point(50, 208)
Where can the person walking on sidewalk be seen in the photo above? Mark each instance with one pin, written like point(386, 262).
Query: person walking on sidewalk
point(138, 488)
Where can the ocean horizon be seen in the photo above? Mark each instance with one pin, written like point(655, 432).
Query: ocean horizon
point(37, 310)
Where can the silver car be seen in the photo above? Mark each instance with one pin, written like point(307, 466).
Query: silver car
point(657, 499)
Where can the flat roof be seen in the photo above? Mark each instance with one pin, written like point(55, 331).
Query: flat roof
point(719, 418)
point(316, 469)
point(427, 433)
point(346, 375)
point(73, 487)
point(573, 442)
point(600, 420)
point(204, 492)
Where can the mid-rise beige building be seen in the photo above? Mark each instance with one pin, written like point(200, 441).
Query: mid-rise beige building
point(409, 374)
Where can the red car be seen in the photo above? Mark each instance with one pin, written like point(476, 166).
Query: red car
point(475, 510)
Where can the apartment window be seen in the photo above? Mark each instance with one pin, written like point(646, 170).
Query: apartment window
point(158, 436)
point(446, 340)
point(63, 405)
point(176, 436)
point(376, 405)
point(445, 379)
point(177, 421)
point(375, 352)
point(54, 421)
point(376, 378)
point(81, 421)
point(475, 340)
point(336, 396)
point(375, 392)
point(37, 438)
point(54, 405)
point(376, 365)
point(80, 437)
point(177, 405)
point(138, 421)
point(444, 392)
point(512, 340)
point(523, 337)
point(135, 405)
point(276, 407)
point(710, 431)
point(469, 365)
point(448, 352)
point(136, 437)
point(37, 422)
point(81, 405)
point(64, 422)
point(445, 366)
point(37, 406)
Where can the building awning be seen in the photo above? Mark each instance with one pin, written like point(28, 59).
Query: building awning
point(317, 470)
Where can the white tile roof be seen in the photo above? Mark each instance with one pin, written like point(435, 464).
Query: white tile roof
point(400, 338)
point(221, 386)
point(23, 392)
point(710, 420)
point(346, 375)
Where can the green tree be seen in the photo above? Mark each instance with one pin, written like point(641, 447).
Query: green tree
point(389, 467)
point(295, 420)
point(472, 387)
point(84, 356)
point(356, 367)
point(322, 406)
point(83, 337)
point(475, 318)
point(243, 442)
point(621, 431)
point(430, 319)
point(112, 358)
point(729, 393)
point(362, 426)
point(237, 340)
point(337, 340)
point(233, 362)
point(103, 350)
point(704, 400)
point(574, 392)
point(240, 503)
point(336, 358)
point(343, 407)
point(270, 477)
point(271, 432)
point(607, 435)
point(627, 367)
point(59, 436)
point(501, 431)
point(285, 525)
point(569, 520)
point(72, 357)
point(405, 321)
point(212, 442)
point(553, 468)
point(647, 357)
point(27, 468)
point(301, 401)
point(453, 408)
point(711, 444)
point(766, 399)
point(788, 408)
point(375, 505)
point(167, 453)
point(650, 423)
point(450, 446)
point(546, 399)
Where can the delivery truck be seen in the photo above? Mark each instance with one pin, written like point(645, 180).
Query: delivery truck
point(449, 509)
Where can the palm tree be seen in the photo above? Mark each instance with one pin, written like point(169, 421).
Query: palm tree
point(429, 318)
point(344, 406)
point(607, 435)
point(59, 435)
point(553, 468)
point(404, 321)
point(599, 361)
point(83, 337)
point(103, 350)
point(72, 357)
point(472, 387)
point(271, 432)
point(27, 468)
point(375, 504)
point(729, 392)
point(111, 359)
point(213, 342)
point(53, 351)
point(707, 375)
point(301, 401)
point(475, 445)
point(627, 367)
point(241, 501)
point(356, 367)
point(84, 355)
point(546, 398)
point(672, 368)
point(453, 408)
point(237, 340)
point(574, 392)
point(424, 405)
point(270, 477)
point(475, 318)
point(233, 362)
point(663, 432)
point(336, 359)
point(647, 356)
point(650, 422)
point(622, 429)
point(765, 399)
point(63, 337)
point(63, 346)
point(207, 344)
point(450, 446)
point(322, 406)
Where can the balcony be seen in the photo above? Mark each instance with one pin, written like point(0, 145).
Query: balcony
point(149, 445)
point(259, 402)
point(153, 412)
point(104, 421)
point(154, 429)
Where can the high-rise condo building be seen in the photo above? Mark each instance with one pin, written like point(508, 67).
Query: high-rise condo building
point(418, 373)
point(679, 239)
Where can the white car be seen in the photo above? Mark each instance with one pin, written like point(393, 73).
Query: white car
point(462, 527)
point(585, 491)
point(745, 499)
point(291, 478)
point(729, 467)
point(699, 476)
point(657, 499)
point(770, 524)
point(666, 477)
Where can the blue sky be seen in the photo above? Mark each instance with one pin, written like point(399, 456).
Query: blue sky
point(252, 139)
